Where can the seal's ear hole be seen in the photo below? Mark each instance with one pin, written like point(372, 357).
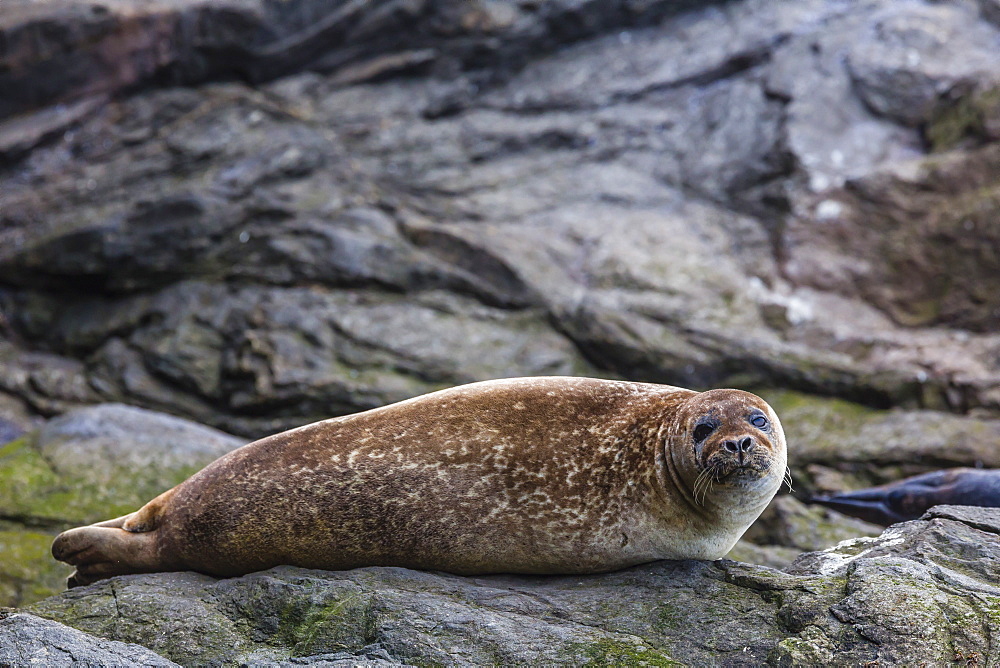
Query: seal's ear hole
point(702, 431)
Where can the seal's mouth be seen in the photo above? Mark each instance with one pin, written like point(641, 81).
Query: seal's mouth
point(736, 473)
point(745, 471)
point(731, 473)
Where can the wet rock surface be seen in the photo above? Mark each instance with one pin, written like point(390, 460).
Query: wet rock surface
point(924, 591)
point(840, 445)
point(29, 640)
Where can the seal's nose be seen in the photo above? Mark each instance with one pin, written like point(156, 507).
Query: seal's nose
point(740, 447)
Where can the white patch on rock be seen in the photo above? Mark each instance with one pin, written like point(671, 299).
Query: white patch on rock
point(829, 209)
point(819, 182)
point(798, 310)
point(831, 561)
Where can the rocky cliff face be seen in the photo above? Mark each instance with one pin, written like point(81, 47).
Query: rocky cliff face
point(262, 213)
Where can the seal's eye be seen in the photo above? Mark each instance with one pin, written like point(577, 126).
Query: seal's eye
point(702, 431)
point(759, 421)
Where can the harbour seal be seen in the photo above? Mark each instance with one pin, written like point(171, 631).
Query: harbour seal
point(546, 475)
point(909, 498)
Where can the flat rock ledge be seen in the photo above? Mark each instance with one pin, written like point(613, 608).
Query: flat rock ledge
point(924, 592)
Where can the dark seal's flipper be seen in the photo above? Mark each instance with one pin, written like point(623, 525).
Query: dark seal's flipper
point(909, 498)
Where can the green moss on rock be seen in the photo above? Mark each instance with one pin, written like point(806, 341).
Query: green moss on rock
point(668, 617)
point(28, 573)
point(335, 626)
point(32, 490)
point(971, 117)
point(610, 652)
point(809, 648)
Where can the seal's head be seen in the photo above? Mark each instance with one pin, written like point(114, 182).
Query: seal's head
point(737, 444)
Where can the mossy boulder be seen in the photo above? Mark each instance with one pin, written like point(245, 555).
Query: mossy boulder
point(28, 572)
point(86, 466)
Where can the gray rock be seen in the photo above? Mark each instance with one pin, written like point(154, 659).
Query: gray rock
point(118, 438)
point(922, 591)
point(27, 640)
point(742, 216)
point(837, 445)
point(15, 418)
point(61, 50)
point(990, 9)
point(790, 523)
point(773, 556)
point(9, 431)
point(908, 65)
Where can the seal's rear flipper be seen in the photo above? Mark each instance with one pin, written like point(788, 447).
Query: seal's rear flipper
point(124, 545)
point(100, 552)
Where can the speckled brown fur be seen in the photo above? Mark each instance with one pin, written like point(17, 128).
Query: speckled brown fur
point(530, 475)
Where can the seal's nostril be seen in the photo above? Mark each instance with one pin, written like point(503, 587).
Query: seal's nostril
point(745, 444)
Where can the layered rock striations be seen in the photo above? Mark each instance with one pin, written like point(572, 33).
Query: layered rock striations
point(269, 213)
